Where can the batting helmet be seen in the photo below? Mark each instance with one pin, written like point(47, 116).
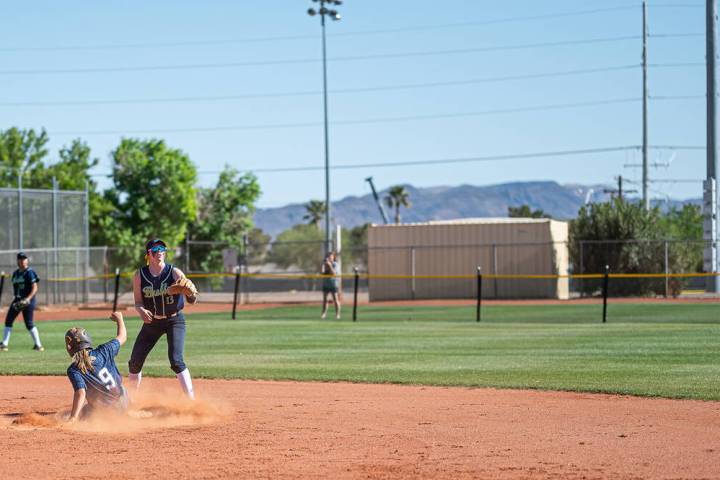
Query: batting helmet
point(77, 339)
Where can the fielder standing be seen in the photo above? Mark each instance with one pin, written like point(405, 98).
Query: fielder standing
point(160, 290)
point(25, 287)
point(331, 268)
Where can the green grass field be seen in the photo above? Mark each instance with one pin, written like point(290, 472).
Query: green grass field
point(667, 350)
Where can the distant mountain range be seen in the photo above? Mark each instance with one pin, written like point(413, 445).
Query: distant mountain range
point(444, 203)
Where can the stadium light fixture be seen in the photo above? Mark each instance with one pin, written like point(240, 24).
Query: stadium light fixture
point(322, 10)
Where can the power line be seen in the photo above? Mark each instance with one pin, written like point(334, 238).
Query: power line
point(314, 60)
point(495, 21)
point(313, 37)
point(397, 87)
point(209, 98)
point(678, 147)
point(677, 180)
point(561, 43)
point(159, 67)
point(674, 65)
point(558, 153)
point(675, 35)
point(677, 5)
point(669, 180)
point(561, 106)
point(676, 97)
point(492, 158)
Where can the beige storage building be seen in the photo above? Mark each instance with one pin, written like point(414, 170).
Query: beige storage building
point(517, 246)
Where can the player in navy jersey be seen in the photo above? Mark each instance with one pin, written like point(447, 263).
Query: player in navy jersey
point(161, 314)
point(25, 286)
point(93, 373)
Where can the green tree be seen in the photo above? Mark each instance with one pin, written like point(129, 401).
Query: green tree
point(684, 227)
point(72, 172)
point(630, 239)
point(524, 211)
point(225, 214)
point(315, 212)
point(22, 153)
point(153, 195)
point(398, 197)
point(300, 246)
point(258, 243)
point(354, 248)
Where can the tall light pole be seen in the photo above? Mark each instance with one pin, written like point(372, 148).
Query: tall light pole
point(645, 199)
point(710, 193)
point(322, 11)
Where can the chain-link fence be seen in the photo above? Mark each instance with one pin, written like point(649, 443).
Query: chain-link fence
point(664, 257)
point(288, 271)
point(67, 275)
point(42, 219)
point(51, 227)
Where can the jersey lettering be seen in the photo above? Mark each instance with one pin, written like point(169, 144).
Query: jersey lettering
point(150, 292)
point(107, 378)
point(154, 292)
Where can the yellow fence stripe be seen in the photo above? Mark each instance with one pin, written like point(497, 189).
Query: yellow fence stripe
point(310, 276)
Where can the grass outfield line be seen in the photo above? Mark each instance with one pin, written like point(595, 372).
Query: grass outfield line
point(667, 350)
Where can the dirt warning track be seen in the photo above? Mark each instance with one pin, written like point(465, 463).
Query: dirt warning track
point(247, 429)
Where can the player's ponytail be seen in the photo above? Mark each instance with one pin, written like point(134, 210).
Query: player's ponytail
point(84, 360)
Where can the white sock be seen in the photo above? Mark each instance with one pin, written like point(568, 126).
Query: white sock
point(6, 336)
point(35, 336)
point(186, 383)
point(135, 379)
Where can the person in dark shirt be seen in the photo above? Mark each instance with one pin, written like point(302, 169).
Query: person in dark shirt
point(25, 287)
point(162, 314)
point(96, 382)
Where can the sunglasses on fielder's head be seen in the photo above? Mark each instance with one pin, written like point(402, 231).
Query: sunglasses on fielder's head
point(154, 245)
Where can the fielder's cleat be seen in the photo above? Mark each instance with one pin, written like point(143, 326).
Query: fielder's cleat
point(3, 347)
point(39, 348)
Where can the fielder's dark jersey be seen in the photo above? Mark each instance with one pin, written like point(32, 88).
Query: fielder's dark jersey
point(154, 292)
point(103, 385)
point(22, 282)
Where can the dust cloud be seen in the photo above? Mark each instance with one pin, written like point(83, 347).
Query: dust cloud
point(154, 409)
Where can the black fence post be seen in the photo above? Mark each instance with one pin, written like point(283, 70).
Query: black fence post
point(237, 287)
point(105, 281)
point(606, 282)
point(117, 289)
point(2, 284)
point(479, 293)
point(355, 292)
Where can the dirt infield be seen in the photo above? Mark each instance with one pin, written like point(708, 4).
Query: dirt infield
point(241, 429)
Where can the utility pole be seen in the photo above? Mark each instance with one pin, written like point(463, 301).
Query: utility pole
point(377, 200)
point(645, 199)
point(619, 190)
point(710, 196)
point(334, 15)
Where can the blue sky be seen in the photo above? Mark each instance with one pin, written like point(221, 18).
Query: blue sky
point(286, 130)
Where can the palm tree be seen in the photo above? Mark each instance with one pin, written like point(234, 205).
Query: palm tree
point(315, 212)
point(398, 197)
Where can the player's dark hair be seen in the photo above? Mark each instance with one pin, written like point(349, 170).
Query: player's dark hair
point(84, 360)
